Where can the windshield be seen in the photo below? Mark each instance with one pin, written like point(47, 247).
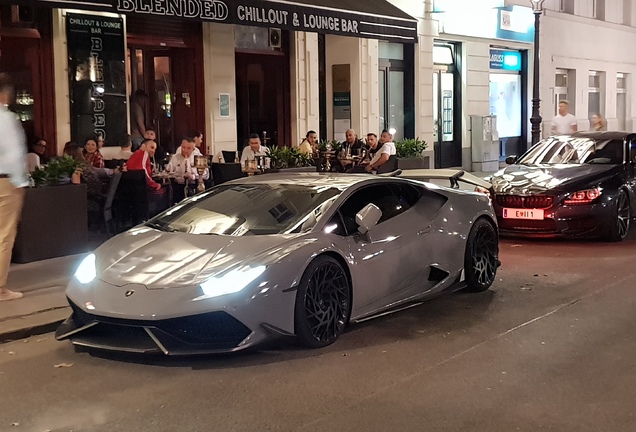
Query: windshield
point(566, 150)
point(259, 209)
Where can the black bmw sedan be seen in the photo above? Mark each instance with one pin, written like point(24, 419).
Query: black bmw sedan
point(582, 185)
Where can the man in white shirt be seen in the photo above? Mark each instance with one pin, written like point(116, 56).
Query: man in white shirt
point(564, 123)
point(254, 150)
point(182, 164)
point(198, 141)
point(13, 179)
point(383, 153)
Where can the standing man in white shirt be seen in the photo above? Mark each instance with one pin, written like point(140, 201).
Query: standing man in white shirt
point(383, 153)
point(182, 164)
point(254, 150)
point(13, 179)
point(564, 123)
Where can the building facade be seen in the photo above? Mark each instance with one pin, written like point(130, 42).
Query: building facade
point(455, 73)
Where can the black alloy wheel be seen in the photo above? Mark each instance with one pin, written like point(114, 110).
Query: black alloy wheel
point(482, 256)
point(323, 303)
point(620, 227)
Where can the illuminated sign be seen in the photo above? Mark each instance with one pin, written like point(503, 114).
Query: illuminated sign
point(505, 60)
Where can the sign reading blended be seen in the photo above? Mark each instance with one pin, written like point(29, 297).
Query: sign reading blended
point(389, 23)
point(97, 77)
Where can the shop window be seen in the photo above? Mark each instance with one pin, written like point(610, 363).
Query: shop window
point(17, 16)
point(443, 55)
point(505, 103)
point(395, 107)
point(257, 38)
point(564, 88)
point(566, 6)
point(595, 94)
point(621, 101)
point(598, 9)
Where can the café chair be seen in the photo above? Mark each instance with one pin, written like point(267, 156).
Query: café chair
point(108, 204)
point(229, 156)
point(222, 173)
point(390, 165)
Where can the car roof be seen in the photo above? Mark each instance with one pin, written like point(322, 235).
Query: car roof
point(605, 135)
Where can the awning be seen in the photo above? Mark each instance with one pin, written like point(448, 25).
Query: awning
point(375, 19)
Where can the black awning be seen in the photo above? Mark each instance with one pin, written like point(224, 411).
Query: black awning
point(375, 19)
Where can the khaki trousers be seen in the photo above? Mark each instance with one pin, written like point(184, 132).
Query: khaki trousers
point(10, 209)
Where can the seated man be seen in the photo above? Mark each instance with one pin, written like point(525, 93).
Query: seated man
point(381, 154)
point(140, 160)
point(125, 149)
point(254, 150)
point(182, 164)
point(197, 137)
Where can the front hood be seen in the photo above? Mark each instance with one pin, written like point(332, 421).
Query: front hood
point(159, 259)
point(534, 179)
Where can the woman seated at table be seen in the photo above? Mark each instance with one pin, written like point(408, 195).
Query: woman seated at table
point(184, 170)
point(92, 154)
point(87, 175)
point(36, 156)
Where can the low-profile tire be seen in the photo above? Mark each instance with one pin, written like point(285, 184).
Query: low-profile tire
point(622, 218)
point(482, 256)
point(323, 303)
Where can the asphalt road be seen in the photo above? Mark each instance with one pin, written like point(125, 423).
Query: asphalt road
point(550, 347)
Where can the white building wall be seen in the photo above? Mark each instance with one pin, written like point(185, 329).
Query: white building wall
point(584, 45)
point(305, 113)
point(220, 77)
point(362, 56)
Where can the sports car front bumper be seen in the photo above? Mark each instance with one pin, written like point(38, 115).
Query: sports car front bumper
point(204, 333)
point(585, 221)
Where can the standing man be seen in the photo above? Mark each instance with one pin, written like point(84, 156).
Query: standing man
point(137, 118)
point(12, 179)
point(564, 123)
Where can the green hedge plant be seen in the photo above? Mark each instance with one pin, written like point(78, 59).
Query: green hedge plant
point(410, 148)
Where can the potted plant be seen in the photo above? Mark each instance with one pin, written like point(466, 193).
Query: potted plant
point(287, 158)
point(54, 219)
point(58, 171)
point(410, 154)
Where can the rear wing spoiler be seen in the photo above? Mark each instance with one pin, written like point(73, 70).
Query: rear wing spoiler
point(453, 175)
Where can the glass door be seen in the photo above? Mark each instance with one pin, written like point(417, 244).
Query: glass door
point(447, 148)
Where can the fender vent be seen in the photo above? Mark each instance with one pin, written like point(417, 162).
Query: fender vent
point(437, 275)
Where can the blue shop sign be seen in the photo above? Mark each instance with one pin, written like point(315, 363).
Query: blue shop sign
point(505, 60)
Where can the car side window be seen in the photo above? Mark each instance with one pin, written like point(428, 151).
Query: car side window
point(385, 197)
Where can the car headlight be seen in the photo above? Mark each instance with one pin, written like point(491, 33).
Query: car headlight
point(230, 282)
point(585, 196)
point(86, 271)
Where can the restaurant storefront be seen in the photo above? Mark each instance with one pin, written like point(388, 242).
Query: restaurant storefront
point(228, 68)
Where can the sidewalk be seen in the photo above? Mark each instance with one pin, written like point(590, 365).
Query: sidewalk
point(44, 304)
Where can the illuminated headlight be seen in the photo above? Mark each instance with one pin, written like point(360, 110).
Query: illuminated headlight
point(583, 196)
point(86, 271)
point(231, 282)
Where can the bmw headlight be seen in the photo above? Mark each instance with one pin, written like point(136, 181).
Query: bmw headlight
point(230, 282)
point(86, 271)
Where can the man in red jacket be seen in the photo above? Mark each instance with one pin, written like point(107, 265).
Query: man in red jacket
point(140, 160)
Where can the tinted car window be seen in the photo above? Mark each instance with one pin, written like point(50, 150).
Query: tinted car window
point(384, 196)
point(556, 150)
point(257, 209)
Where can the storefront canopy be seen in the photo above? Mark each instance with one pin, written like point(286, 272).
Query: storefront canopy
point(376, 19)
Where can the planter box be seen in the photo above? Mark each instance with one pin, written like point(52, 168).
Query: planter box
point(414, 163)
point(54, 223)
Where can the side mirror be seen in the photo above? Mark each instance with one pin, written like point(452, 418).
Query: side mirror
point(511, 160)
point(368, 217)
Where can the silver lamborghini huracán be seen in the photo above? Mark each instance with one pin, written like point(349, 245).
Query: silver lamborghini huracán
point(280, 255)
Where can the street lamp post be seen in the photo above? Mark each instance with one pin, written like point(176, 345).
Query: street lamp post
point(535, 120)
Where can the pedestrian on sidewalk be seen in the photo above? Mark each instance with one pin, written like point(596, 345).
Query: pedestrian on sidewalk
point(13, 179)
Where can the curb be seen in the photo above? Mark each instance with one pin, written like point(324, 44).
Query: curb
point(32, 325)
